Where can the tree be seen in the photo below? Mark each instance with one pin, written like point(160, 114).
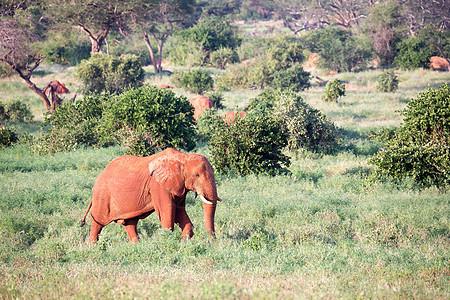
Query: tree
point(16, 52)
point(157, 19)
point(95, 18)
point(384, 25)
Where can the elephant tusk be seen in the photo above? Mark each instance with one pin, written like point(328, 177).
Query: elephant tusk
point(206, 201)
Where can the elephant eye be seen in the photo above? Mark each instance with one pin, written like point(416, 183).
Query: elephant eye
point(197, 175)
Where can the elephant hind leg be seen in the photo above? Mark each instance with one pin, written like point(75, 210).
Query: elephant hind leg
point(96, 228)
point(131, 228)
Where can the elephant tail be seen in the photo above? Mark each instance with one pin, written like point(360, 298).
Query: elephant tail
point(83, 221)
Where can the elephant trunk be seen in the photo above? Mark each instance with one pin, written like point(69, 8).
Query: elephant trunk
point(209, 211)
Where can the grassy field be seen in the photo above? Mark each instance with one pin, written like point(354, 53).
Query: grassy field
point(325, 231)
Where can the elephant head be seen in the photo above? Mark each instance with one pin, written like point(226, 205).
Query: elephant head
point(181, 172)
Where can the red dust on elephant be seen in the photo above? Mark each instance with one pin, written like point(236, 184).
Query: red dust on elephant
point(130, 188)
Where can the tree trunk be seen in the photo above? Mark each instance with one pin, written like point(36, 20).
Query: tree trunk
point(152, 54)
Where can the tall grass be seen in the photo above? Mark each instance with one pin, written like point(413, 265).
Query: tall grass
point(324, 231)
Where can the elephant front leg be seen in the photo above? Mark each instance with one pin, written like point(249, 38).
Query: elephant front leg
point(164, 207)
point(182, 219)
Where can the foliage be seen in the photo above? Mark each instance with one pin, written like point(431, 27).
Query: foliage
point(223, 57)
point(111, 74)
point(216, 99)
point(73, 125)
point(185, 53)
point(414, 53)
point(294, 78)
point(333, 90)
point(212, 33)
point(251, 145)
point(387, 82)
point(338, 49)
point(195, 81)
point(7, 137)
point(307, 128)
point(65, 49)
point(280, 58)
point(420, 149)
point(148, 119)
point(208, 123)
point(15, 111)
point(385, 26)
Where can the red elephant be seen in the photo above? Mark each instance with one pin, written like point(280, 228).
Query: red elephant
point(131, 188)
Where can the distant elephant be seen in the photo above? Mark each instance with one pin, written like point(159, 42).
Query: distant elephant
point(200, 104)
point(131, 188)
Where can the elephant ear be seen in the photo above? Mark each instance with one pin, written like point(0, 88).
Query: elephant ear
point(168, 172)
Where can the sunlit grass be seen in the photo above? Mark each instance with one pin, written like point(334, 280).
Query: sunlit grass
point(326, 230)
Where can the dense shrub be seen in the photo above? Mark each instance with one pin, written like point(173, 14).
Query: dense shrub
point(195, 81)
point(144, 120)
point(223, 57)
point(294, 78)
point(186, 53)
point(333, 90)
point(420, 149)
point(339, 50)
point(111, 74)
point(7, 137)
point(278, 62)
point(216, 99)
point(413, 53)
point(148, 119)
point(253, 144)
point(387, 82)
point(307, 128)
point(211, 40)
point(208, 123)
point(60, 49)
point(15, 111)
point(212, 33)
point(73, 125)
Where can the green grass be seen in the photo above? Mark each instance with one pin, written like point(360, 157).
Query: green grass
point(324, 231)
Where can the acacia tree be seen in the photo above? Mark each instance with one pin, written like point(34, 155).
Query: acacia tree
point(156, 20)
point(16, 52)
point(94, 18)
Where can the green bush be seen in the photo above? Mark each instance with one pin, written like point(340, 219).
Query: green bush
point(212, 33)
point(60, 49)
point(148, 119)
point(294, 78)
point(387, 82)
point(73, 125)
point(208, 123)
point(195, 81)
point(7, 137)
point(111, 74)
point(216, 99)
point(143, 120)
point(223, 57)
point(339, 50)
point(278, 61)
point(420, 149)
point(16, 111)
point(333, 90)
point(414, 53)
point(307, 128)
point(252, 144)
